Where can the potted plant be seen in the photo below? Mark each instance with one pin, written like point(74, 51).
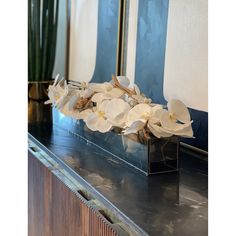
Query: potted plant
point(42, 37)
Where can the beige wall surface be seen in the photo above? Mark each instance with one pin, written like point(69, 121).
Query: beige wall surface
point(83, 39)
point(186, 59)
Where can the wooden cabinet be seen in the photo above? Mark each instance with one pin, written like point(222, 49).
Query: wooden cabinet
point(55, 210)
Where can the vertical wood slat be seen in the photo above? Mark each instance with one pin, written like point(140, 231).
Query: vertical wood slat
point(39, 200)
point(55, 210)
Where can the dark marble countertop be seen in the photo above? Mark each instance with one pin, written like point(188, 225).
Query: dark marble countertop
point(168, 204)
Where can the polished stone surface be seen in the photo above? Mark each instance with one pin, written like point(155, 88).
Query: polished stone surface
point(168, 204)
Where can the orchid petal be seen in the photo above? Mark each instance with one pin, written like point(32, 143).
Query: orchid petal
point(140, 111)
point(186, 131)
point(135, 127)
point(115, 93)
point(103, 125)
point(167, 121)
point(97, 123)
point(123, 80)
point(118, 122)
point(83, 114)
point(102, 106)
point(156, 107)
point(99, 88)
point(158, 131)
point(115, 107)
point(179, 109)
point(156, 114)
point(98, 97)
point(116, 112)
point(91, 121)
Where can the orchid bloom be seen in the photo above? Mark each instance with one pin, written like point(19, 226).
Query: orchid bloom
point(113, 93)
point(177, 119)
point(100, 88)
point(96, 121)
point(117, 104)
point(116, 112)
point(160, 122)
point(139, 116)
point(55, 91)
point(108, 113)
point(108, 91)
point(58, 95)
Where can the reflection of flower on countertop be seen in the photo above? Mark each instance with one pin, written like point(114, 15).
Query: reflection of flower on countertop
point(105, 106)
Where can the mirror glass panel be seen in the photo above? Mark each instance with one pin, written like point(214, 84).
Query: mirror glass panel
point(93, 40)
point(61, 42)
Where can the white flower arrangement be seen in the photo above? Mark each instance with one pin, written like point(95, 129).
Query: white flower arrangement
point(115, 104)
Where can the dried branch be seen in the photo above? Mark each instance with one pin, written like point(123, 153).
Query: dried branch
point(118, 85)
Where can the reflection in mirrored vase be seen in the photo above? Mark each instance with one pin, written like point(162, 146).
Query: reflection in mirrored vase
point(93, 40)
point(151, 156)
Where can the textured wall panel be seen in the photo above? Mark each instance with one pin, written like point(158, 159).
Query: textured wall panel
point(186, 62)
point(150, 48)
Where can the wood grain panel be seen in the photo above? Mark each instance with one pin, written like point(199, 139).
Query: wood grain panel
point(39, 198)
point(55, 210)
point(74, 216)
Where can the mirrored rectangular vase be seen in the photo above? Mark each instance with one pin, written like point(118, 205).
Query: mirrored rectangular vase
point(150, 156)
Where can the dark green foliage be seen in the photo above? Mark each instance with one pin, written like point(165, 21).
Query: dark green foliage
point(42, 36)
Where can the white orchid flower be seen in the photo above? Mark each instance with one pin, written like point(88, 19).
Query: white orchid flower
point(177, 119)
point(158, 131)
point(116, 111)
point(109, 113)
point(160, 122)
point(57, 94)
point(113, 108)
point(169, 121)
point(55, 91)
point(84, 114)
point(100, 88)
point(96, 121)
point(139, 116)
point(178, 110)
point(108, 95)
